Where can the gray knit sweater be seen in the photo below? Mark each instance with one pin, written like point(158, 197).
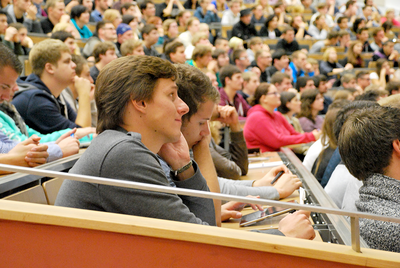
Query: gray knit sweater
point(380, 195)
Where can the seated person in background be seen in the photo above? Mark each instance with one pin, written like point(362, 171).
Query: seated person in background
point(192, 28)
point(354, 55)
point(80, 18)
point(59, 144)
point(341, 179)
point(23, 12)
point(330, 66)
point(197, 91)
point(312, 102)
point(343, 25)
point(328, 141)
point(222, 43)
point(387, 52)
point(220, 59)
point(267, 129)
point(79, 95)
point(290, 106)
point(319, 29)
point(299, 27)
point(350, 12)
point(250, 83)
point(139, 130)
point(169, 9)
point(103, 53)
point(263, 60)
point(374, 132)
point(307, 4)
point(105, 31)
point(132, 47)
point(244, 29)
point(18, 33)
point(379, 37)
point(231, 16)
point(201, 57)
point(241, 60)
point(67, 39)
point(232, 81)
point(363, 80)
point(175, 52)
point(344, 40)
point(220, 5)
point(9, 35)
point(323, 10)
point(55, 14)
point(299, 65)
point(345, 94)
point(349, 81)
point(331, 40)
point(270, 28)
point(280, 61)
point(171, 31)
point(124, 32)
point(198, 39)
point(281, 81)
point(206, 12)
point(363, 36)
point(255, 44)
point(150, 38)
point(258, 15)
point(393, 87)
point(390, 16)
point(287, 41)
point(322, 84)
point(52, 71)
point(305, 83)
point(383, 73)
point(314, 66)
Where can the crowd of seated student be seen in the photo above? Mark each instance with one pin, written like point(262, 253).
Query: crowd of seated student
point(153, 30)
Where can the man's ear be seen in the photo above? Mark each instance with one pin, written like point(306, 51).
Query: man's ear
point(140, 105)
point(396, 148)
point(48, 67)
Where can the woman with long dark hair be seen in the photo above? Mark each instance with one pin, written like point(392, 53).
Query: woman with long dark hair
point(312, 102)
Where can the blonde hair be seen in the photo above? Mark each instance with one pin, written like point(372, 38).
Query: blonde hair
point(46, 51)
point(325, 57)
point(235, 42)
point(52, 3)
point(111, 15)
point(128, 46)
point(391, 101)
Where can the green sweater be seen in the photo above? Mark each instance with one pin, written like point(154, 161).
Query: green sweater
point(8, 126)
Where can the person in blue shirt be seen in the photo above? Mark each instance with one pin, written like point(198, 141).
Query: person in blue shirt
point(299, 65)
point(206, 12)
point(80, 17)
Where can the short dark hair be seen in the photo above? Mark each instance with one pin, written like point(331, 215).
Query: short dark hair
point(277, 78)
point(285, 98)
point(127, 18)
point(349, 3)
point(318, 79)
point(236, 54)
point(278, 54)
point(348, 110)
point(144, 4)
point(148, 28)
point(126, 6)
point(101, 48)
point(172, 47)
point(62, 35)
point(366, 140)
point(124, 79)
point(269, 19)
point(339, 20)
point(194, 88)
point(359, 31)
point(77, 11)
point(392, 85)
point(80, 62)
point(287, 29)
point(217, 52)
point(361, 74)
point(332, 34)
point(8, 58)
point(302, 82)
point(228, 71)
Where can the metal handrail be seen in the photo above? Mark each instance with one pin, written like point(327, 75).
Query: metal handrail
point(197, 193)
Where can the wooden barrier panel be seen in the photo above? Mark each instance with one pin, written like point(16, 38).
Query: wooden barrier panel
point(48, 236)
point(32, 195)
point(51, 189)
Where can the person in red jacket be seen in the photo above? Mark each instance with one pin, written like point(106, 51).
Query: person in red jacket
point(268, 129)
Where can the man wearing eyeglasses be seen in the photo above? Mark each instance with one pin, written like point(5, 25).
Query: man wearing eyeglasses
point(241, 59)
point(105, 31)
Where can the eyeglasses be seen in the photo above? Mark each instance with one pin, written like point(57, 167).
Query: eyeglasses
point(276, 93)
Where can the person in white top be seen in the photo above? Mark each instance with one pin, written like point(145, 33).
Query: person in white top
point(232, 15)
point(323, 9)
point(192, 28)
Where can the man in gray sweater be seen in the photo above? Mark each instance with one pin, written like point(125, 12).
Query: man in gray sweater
point(369, 144)
point(140, 115)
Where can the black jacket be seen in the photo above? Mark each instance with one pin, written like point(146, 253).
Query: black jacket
point(243, 31)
